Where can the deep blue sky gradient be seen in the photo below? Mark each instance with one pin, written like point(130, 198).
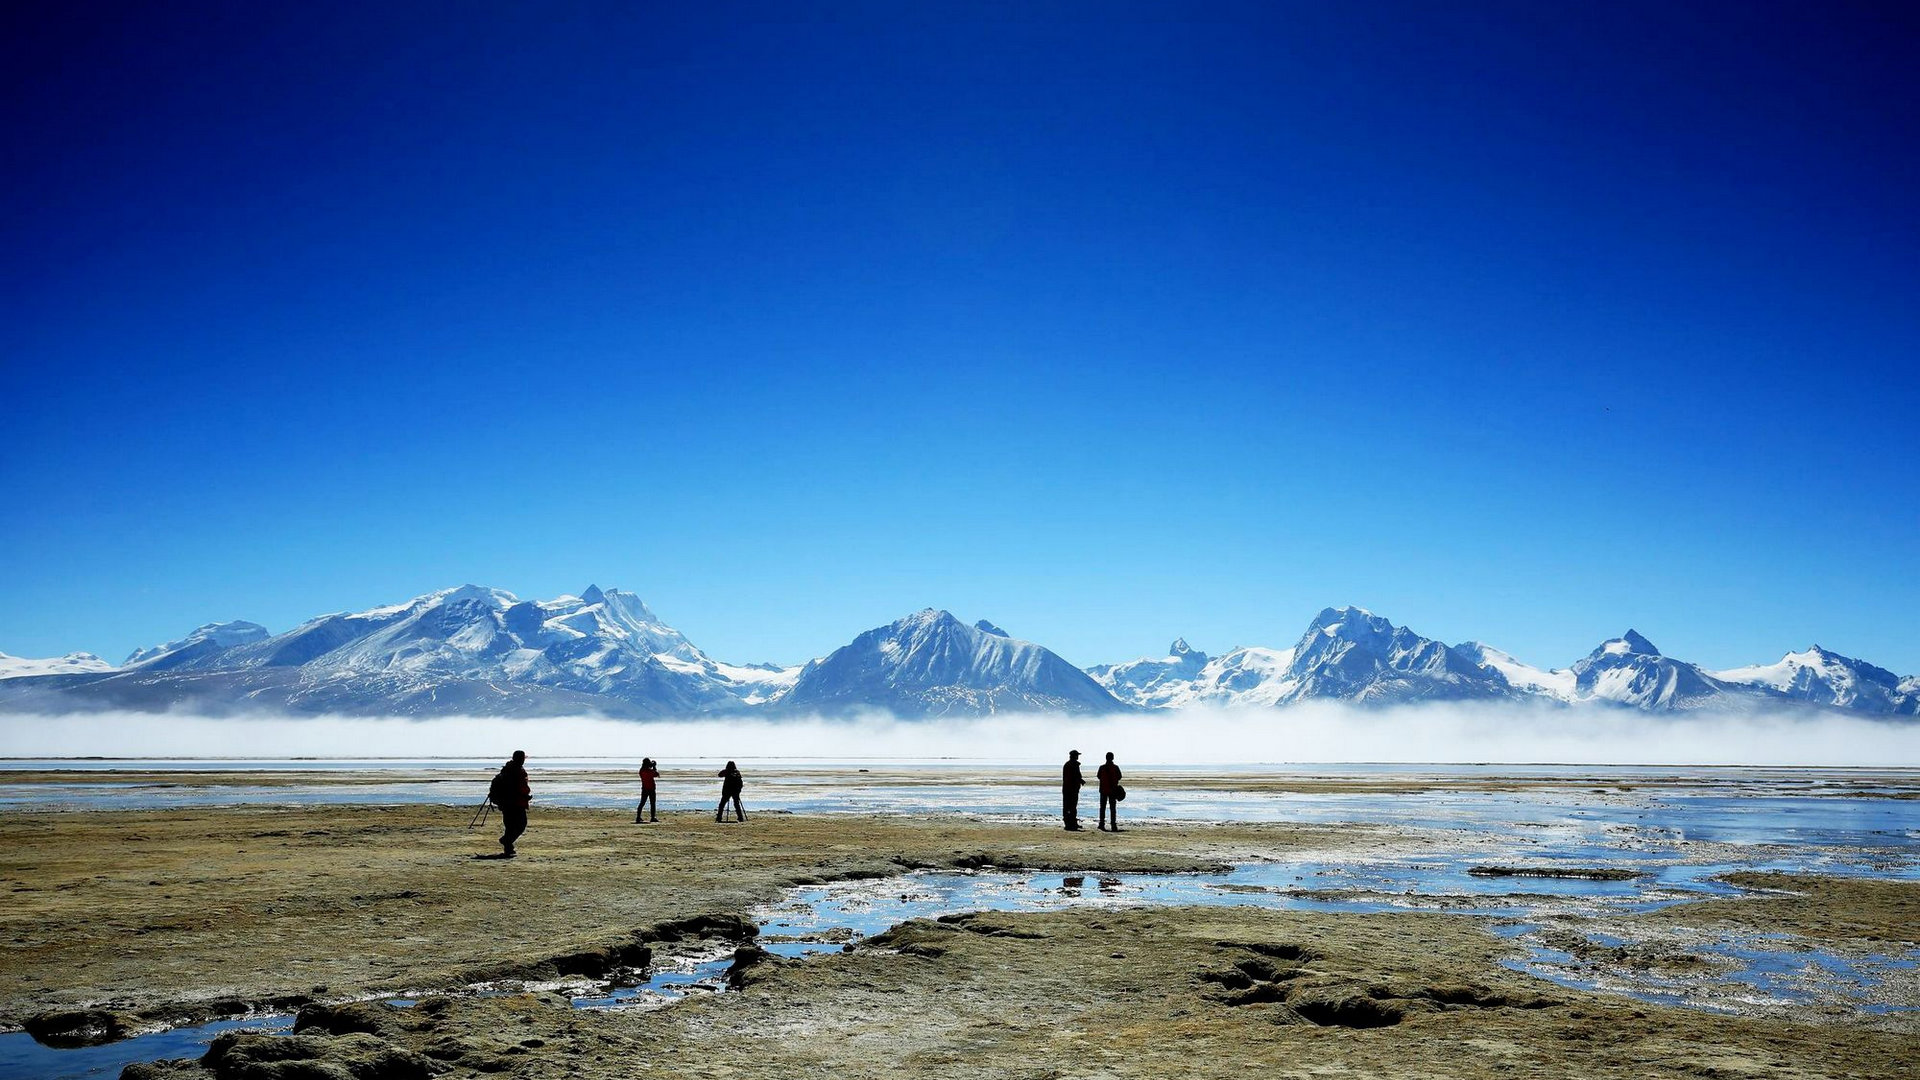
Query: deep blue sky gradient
point(1109, 322)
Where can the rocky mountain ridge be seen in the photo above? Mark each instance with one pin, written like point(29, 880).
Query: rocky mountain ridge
point(474, 650)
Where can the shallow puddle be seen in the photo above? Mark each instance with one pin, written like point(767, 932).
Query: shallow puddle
point(1754, 970)
point(1751, 971)
point(25, 1059)
point(1655, 810)
point(1652, 822)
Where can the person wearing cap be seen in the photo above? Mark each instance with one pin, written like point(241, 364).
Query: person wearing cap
point(1070, 785)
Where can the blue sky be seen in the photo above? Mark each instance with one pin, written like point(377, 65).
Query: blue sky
point(1109, 322)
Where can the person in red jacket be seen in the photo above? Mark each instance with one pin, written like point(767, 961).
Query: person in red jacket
point(1109, 776)
point(511, 793)
point(649, 772)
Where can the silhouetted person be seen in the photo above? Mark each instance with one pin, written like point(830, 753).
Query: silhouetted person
point(510, 792)
point(1109, 777)
point(649, 772)
point(1070, 785)
point(730, 785)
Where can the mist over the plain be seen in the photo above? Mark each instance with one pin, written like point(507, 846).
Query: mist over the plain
point(1309, 733)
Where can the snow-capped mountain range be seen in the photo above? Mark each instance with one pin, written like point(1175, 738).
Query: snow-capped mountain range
point(482, 651)
point(1350, 654)
point(464, 651)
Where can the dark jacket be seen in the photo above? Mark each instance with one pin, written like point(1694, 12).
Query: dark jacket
point(1109, 775)
point(509, 790)
point(1070, 776)
point(730, 782)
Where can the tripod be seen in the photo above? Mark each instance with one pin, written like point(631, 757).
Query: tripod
point(480, 816)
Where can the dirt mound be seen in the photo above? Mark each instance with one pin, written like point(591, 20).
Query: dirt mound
point(78, 1027)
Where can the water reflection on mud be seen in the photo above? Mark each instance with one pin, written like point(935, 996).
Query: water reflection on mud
point(1668, 836)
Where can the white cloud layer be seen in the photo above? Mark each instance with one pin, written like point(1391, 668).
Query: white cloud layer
point(1312, 733)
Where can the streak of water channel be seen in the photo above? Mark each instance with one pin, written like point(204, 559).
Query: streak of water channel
point(822, 919)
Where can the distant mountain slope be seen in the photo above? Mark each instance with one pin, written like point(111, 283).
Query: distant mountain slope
point(1628, 670)
point(1828, 678)
point(197, 649)
point(1346, 654)
point(932, 664)
point(1154, 681)
point(1243, 677)
point(468, 649)
point(1556, 684)
point(1351, 654)
point(78, 663)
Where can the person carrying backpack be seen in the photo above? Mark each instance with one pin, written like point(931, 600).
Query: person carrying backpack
point(510, 792)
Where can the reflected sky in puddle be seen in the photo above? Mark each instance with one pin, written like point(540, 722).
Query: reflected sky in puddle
point(1752, 970)
point(1755, 969)
point(823, 919)
point(22, 1058)
point(1809, 821)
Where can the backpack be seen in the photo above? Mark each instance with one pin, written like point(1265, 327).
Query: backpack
point(500, 790)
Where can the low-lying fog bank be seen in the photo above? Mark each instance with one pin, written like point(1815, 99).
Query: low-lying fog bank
point(1316, 733)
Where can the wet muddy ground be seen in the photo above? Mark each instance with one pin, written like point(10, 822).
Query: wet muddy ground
point(844, 944)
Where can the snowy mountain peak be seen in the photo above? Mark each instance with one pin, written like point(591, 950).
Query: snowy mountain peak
point(1629, 671)
point(932, 664)
point(1630, 643)
point(76, 663)
point(625, 606)
point(1187, 676)
point(1353, 654)
point(986, 627)
point(461, 594)
point(470, 649)
point(1824, 677)
point(1343, 621)
point(205, 640)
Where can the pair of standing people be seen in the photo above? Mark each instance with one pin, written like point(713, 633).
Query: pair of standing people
point(731, 784)
point(1111, 793)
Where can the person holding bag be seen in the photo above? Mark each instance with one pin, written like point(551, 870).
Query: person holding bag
point(1110, 794)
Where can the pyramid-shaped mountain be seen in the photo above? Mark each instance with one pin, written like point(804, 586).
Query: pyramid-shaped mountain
point(932, 664)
